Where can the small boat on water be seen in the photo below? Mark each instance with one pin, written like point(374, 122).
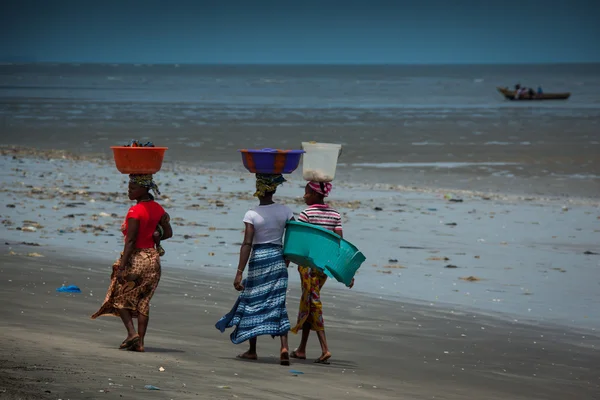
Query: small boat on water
point(510, 95)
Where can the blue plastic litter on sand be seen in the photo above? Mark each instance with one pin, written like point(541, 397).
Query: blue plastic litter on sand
point(293, 371)
point(150, 387)
point(69, 289)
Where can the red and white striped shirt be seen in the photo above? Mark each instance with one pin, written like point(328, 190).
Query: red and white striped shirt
point(322, 215)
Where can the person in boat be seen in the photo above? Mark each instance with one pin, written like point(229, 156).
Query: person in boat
point(540, 91)
point(310, 314)
point(260, 308)
point(137, 272)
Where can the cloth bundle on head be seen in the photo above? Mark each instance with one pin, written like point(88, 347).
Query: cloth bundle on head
point(267, 183)
point(323, 188)
point(145, 180)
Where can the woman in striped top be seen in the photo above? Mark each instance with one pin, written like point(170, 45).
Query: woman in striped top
point(310, 315)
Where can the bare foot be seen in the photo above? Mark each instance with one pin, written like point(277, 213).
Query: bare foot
point(247, 356)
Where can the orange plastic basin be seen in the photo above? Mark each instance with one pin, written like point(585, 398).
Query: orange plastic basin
point(138, 160)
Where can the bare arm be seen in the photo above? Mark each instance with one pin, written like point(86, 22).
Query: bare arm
point(245, 252)
point(165, 223)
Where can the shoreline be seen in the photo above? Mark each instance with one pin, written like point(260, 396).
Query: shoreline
point(527, 256)
point(236, 169)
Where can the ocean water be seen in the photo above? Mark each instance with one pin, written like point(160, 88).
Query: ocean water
point(448, 122)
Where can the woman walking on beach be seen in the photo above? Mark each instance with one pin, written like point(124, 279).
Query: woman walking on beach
point(260, 307)
point(137, 272)
point(310, 315)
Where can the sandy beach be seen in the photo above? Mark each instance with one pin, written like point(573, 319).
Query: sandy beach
point(382, 349)
point(514, 319)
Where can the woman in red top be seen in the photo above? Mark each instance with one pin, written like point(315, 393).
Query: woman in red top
point(137, 272)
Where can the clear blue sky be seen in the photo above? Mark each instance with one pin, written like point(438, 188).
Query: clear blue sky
point(287, 31)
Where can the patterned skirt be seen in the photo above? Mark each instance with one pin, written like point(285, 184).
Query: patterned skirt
point(140, 283)
point(311, 309)
point(260, 308)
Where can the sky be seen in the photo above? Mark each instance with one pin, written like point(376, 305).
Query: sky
point(301, 32)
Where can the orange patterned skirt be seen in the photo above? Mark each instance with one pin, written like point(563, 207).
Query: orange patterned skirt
point(143, 275)
point(311, 309)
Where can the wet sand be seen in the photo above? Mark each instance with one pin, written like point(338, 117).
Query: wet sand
point(525, 326)
point(50, 349)
point(528, 253)
point(558, 158)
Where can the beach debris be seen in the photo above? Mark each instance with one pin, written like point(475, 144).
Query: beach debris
point(470, 278)
point(394, 266)
point(378, 209)
point(590, 253)
point(432, 209)
point(296, 372)
point(451, 224)
point(392, 260)
point(456, 200)
point(438, 259)
point(161, 369)
point(411, 247)
point(450, 266)
point(10, 206)
point(151, 387)
point(76, 204)
point(34, 255)
point(223, 387)
point(68, 289)
point(30, 244)
point(28, 229)
point(384, 272)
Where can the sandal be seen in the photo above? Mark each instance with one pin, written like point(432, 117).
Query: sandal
point(284, 359)
point(246, 356)
point(295, 355)
point(324, 359)
point(128, 343)
point(137, 347)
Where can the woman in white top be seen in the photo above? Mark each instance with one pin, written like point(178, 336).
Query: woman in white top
point(260, 307)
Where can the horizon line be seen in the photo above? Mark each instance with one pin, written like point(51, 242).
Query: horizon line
point(340, 64)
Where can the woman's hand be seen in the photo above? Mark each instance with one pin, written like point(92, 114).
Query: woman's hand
point(351, 284)
point(115, 268)
point(237, 282)
point(121, 273)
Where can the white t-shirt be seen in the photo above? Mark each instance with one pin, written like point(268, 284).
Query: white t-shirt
point(269, 222)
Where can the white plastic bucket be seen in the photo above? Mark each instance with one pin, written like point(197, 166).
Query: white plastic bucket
point(320, 161)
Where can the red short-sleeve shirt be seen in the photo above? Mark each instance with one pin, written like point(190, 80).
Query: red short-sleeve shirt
point(149, 214)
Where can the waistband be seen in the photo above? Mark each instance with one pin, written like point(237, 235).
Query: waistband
point(261, 246)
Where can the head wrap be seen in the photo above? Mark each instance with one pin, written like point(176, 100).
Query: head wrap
point(144, 180)
point(323, 188)
point(267, 183)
